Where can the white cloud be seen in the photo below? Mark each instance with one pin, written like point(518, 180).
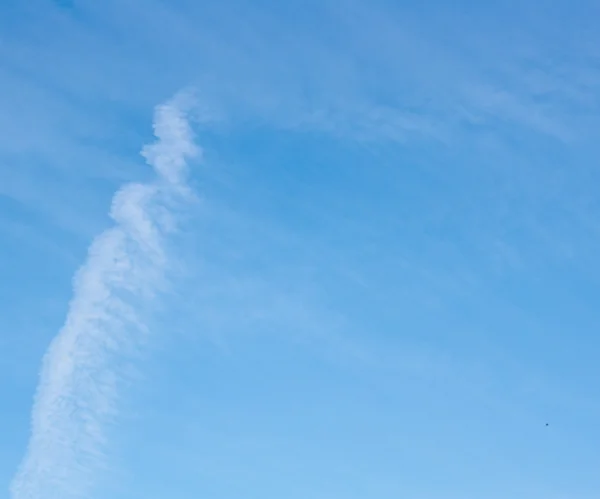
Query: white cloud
point(83, 368)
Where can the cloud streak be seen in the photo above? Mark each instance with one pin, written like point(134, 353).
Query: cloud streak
point(85, 364)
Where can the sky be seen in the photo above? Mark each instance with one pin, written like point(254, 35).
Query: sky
point(303, 249)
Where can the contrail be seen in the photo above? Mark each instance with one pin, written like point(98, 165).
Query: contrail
point(82, 370)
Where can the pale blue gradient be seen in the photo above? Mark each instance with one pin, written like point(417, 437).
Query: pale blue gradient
point(388, 285)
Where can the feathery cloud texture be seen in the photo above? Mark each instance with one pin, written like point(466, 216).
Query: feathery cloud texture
point(82, 370)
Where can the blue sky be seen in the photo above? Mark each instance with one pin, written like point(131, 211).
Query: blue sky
point(356, 257)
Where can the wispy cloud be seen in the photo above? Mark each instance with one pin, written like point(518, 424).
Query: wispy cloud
point(82, 369)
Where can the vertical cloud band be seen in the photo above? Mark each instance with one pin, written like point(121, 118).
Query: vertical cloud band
point(82, 370)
